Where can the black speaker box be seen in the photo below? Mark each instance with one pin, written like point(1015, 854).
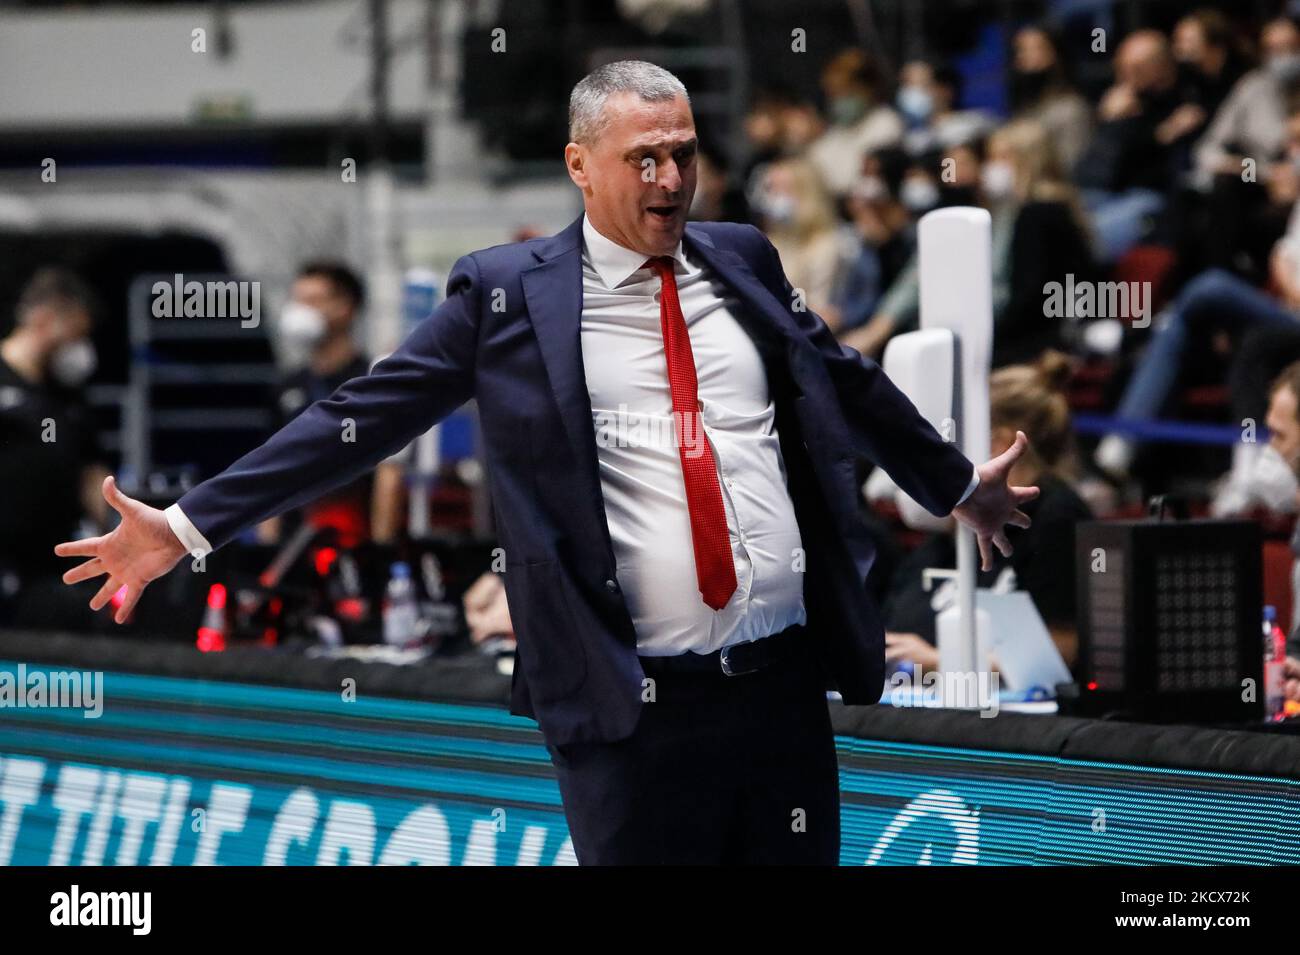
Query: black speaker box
point(1169, 621)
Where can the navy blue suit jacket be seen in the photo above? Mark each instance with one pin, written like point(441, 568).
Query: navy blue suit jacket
point(507, 335)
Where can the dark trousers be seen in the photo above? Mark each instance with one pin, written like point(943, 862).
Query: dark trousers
point(720, 770)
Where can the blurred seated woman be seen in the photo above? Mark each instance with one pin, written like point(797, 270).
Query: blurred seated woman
point(821, 255)
point(1040, 235)
point(1026, 398)
point(1041, 91)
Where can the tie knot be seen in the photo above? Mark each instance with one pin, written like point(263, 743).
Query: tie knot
point(660, 263)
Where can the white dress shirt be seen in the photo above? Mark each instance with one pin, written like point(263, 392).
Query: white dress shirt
point(640, 467)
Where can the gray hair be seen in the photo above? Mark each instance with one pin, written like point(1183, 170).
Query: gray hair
point(652, 83)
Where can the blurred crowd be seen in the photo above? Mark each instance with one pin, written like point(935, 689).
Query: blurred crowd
point(1178, 180)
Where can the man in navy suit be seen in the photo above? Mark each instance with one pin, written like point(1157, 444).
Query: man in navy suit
point(672, 441)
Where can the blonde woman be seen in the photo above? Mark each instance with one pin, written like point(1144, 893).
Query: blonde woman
point(1028, 398)
point(1040, 91)
point(1040, 236)
point(817, 251)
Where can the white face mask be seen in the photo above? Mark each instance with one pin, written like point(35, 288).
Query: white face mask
point(301, 327)
point(919, 195)
point(998, 180)
point(870, 189)
point(73, 362)
point(1272, 481)
point(778, 208)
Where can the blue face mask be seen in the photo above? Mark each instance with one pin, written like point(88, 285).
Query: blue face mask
point(919, 195)
point(915, 103)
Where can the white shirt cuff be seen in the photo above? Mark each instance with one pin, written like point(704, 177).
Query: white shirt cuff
point(970, 488)
point(195, 543)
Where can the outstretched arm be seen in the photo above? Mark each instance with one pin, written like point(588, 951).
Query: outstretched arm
point(891, 432)
point(364, 421)
point(885, 426)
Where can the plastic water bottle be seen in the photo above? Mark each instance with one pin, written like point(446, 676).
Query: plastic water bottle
point(1274, 665)
point(401, 617)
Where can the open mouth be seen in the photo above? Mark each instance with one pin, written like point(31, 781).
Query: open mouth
point(663, 212)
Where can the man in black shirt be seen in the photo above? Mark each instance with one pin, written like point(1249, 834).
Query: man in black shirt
point(317, 328)
point(1129, 168)
point(50, 468)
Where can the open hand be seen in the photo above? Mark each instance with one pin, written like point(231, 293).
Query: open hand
point(994, 503)
point(140, 549)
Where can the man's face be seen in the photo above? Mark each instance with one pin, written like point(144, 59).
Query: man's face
point(60, 323)
point(1283, 423)
point(638, 177)
point(320, 293)
point(1189, 42)
point(1033, 51)
point(1144, 63)
point(1279, 38)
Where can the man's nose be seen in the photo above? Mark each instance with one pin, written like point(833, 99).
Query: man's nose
point(669, 177)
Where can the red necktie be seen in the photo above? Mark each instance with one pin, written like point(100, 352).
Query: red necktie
point(714, 568)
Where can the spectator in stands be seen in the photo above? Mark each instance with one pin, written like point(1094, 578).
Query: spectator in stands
point(859, 121)
point(1216, 309)
point(928, 95)
point(919, 189)
point(1276, 485)
point(778, 125)
point(1280, 479)
point(960, 168)
point(1256, 363)
point(487, 614)
point(885, 228)
point(1039, 236)
point(1209, 62)
point(717, 198)
point(1241, 153)
point(1130, 166)
point(1041, 91)
point(317, 330)
point(1249, 124)
point(817, 251)
point(1264, 474)
point(1028, 398)
point(1023, 182)
point(802, 124)
point(51, 466)
point(764, 134)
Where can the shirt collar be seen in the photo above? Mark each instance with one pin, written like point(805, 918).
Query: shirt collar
point(614, 263)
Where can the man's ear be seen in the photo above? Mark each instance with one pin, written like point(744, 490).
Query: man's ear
point(575, 163)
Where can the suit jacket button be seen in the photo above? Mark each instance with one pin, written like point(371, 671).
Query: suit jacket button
point(611, 585)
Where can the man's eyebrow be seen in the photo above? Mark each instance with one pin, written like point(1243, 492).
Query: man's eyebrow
point(693, 143)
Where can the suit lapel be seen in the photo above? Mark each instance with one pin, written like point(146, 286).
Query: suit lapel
point(553, 296)
point(762, 317)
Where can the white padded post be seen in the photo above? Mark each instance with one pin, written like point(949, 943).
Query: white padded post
point(956, 277)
